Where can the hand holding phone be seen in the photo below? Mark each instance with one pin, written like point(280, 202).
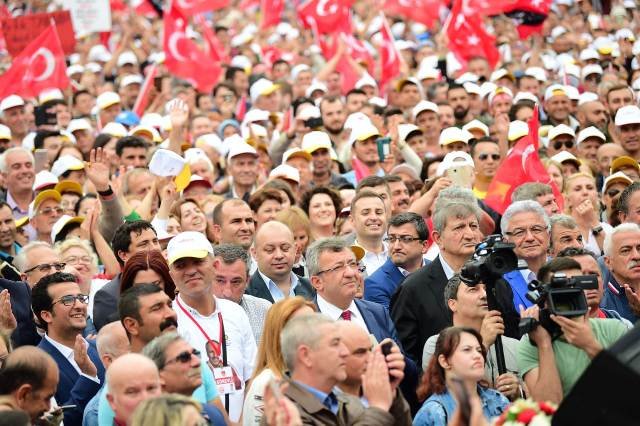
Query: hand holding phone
point(384, 147)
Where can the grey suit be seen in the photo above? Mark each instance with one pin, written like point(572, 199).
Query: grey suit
point(256, 309)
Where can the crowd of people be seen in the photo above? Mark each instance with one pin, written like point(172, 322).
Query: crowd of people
point(302, 264)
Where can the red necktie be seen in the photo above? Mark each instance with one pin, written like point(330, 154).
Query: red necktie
point(346, 315)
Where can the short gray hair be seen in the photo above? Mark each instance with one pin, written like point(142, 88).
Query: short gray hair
point(455, 210)
point(524, 206)
point(331, 244)
point(3, 157)
point(563, 220)
point(129, 174)
point(230, 253)
point(608, 238)
point(530, 191)
point(157, 348)
point(21, 261)
point(302, 330)
point(454, 194)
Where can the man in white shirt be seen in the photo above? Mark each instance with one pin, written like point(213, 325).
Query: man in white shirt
point(369, 218)
point(220, 328)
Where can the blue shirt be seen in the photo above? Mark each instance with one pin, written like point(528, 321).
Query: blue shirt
point(275, 291)
point(438, 409)
point(328, 399)
point(351, 176)
point(615, 299)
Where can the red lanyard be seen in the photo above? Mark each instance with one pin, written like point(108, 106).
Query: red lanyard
point(216, 346)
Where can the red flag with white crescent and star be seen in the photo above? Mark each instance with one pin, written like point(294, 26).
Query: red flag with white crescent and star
point(327, 16)
point(390, 59)
point(426, 12)
point(271, 12)
point(522, 165)
point(38, 67)
point(193, 7)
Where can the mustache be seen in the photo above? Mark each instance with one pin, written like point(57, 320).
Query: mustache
point(168, 323)
point(632, 264)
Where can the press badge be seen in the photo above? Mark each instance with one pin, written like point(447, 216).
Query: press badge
point(227, 380)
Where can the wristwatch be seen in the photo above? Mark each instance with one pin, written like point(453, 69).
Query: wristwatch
point(596, 230)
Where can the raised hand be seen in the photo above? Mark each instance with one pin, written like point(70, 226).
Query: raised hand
point(8, 321)
point(97, 169)
point(178, 113)
point(375, 381)
point(81, 356)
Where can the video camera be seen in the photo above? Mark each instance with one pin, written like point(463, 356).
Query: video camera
point(562, 296)
point(492, 259)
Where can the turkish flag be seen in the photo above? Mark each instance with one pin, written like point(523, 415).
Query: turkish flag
point(357, 50)
point(184, 58)
point(271, 12)
point(390, 59)
point(487, 7)
point(38, 67)
point(426, 12)
point(348, 74)
point(327, 16)
point(143, 97)
point(522, 165)
point(193, 7)
point(529, 15)
point(144, 8)
point(468, 37)
point(215, 49)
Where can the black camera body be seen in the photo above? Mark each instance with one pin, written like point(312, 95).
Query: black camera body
point(492, 259)
point(562, 296)
point(313, 122)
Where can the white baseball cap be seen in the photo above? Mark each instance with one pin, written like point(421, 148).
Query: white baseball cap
point(629, 114)
point(5, 132)
point(616, 177)
point(210, 139)
point(44, 179)
point(255, 114)
point(366, 80)
point(315, 86)
point(517, 129)
point(106, 99)
point(74, 69)
point(404, 130)
point(99, 53)
point(536, 72)
point(188, 244)
point(63, 221)
point(363, 132)
point(589, 54)
point(560, 129)
point(454, 159)
point(525, 96)
point(587, 97)
point(116, 130)
point(241, 148)
point(590, 132)
point(423, 106)
point(425, 73)
point(295, 152)
point(262, 87)
point(127, 57)
point(285, 171)
point(66, 163)
point(451, 135)
point(78, 124)
point(565, 157)
point(499, 91)
point(315, 140)
point(50, 94)
point(131, 79)
point(476, 124)
point(11, 101)
point(591, 69)
point(555, 90)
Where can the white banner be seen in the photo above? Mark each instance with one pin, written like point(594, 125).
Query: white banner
point(90, 16)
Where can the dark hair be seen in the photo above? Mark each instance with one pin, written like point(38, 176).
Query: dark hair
point(372, 182)
point(413, 218)
point(305, 200)
point(122, 237)
point(217, 210)
point(129, 303)
point(623, 201)
point(428, 162)
point(260, 197)
point(484, 139)
point(451, 289)
point(41, 135)
point(329, 99)
point(84, 197)
point(521, 104)
point(15, 418)
point(280, 185)
point(74, 97)
point(365, 193)
point(143, 261)
point(433, 380)
point(278, 62)
point(454, 86)
point(556, 265)
point(40, 297)
point(576, 252)
point(129, 142)
point(101, 140)
point(392, 178)
point(231, 72)
point(24, 368)
point(355, 92)
point(224, 85)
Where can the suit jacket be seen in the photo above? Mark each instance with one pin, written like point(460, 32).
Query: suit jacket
point(418, 309)
point(350, 410)
point(73, 388)
point(20, 297)
point(105, 303)
point(380, 286)
point(258, 288)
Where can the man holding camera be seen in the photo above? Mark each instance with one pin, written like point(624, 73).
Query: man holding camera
point(551, 366)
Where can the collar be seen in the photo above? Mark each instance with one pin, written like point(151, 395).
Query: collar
point(333, 312)
point(448, 270)
point(528, 275)
point(272, 286)
point(14, 206)
point(406, 273)
point(194, 312)
point(236, 195)
point(66, 351)
point(384, 252)
point(614, 287)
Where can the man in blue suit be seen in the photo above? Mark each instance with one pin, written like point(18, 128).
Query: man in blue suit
point(407, 239)
point(61, 310)
point(335, 274)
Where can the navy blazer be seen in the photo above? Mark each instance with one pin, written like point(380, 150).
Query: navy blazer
point(380, 286)
point(73, 388)
point(105, 303)
point(258, 288)
point(20, 297)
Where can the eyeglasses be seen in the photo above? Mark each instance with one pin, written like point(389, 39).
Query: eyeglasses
point(46, 267)
point(494, 157)
point(558, 144)
point(521, 232)
point(78, 259)
point(405, 239)
point(184, 357)
point(70, 299)
point(613, 192)
point(342, 268)
point(49, 210)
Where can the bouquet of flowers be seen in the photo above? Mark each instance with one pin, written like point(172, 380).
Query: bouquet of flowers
point(527, 412)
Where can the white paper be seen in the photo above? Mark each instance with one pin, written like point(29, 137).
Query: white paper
point(166, 163)
point(89, 16)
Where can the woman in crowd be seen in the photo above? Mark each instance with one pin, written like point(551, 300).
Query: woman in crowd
point(555, 173)
point(147, 267)
point(288, 199)
point(191, 217)
point(298, 222)
point(265, 204)
point(583, 204)
point(458, 361)
point(170, 410)
point(270, 364)
point(322, 205)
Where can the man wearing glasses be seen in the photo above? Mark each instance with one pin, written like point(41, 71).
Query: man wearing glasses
point(37, 260)
point(407, 239)
point(486, 159)
point(61, 310)
point(44, 212)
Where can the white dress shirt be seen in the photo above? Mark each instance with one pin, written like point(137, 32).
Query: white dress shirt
point(374, 260)
point(333, 312)
point(67, 352)
point(448, 270)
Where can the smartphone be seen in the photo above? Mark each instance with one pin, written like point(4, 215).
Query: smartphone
point(460, 393)
point(41, 157)
point(384, 147)
point(386, 348)
point(461, 176)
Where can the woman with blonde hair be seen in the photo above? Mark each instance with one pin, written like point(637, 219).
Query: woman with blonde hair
point(583, 204)
point(298, 222)
point(270, 364)
point(169, 410)
point(555, 172)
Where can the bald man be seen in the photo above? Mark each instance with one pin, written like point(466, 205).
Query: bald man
point(112, 343)
point(131, 379)
point(358, 343)
point(275, 252)
point(28, 381)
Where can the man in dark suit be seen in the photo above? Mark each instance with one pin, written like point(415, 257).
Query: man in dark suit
point(275, 252)
point(61, 309)
point(18, 294)
point(129, 238)
point(407, 239)
point(418, 308)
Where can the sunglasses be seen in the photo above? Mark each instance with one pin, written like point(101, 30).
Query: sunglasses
point(567, 144)
point(494, 157)
point(184, 357)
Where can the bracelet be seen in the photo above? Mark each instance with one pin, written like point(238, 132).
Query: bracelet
point(106, 193)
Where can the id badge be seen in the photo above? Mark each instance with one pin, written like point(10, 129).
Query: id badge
point(227, 380)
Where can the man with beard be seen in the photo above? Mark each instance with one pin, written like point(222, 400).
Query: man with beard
point(318, 145)
point(486, 159)
point(593, 113)
point(17, 168)
point(333, 115)
point(61, 310)
point(400, 201)
point(407, 238)
point(458, 98)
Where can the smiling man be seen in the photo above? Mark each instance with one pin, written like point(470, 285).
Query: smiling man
point(627, 123)
point(369, 218)
point(17, 168)
point(233, 223)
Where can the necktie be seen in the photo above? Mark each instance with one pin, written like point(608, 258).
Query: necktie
point(346, 315)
